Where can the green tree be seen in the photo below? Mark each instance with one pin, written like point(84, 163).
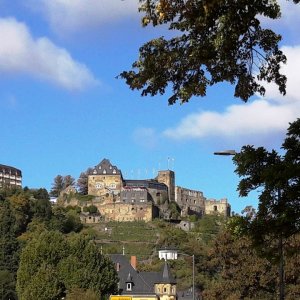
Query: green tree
point(38, 267)
point(81, 294)
point(278, 179)
point(20, 205)
point(237, 272)
point(213, 41)
point(86, 268)
point(40, 204)
point(57, 186)
point(208, 227)
point(65, 220)
point(9, 251)
point(234, 270)
point(60, 183)
point(69, 181)
point(52, 264)
point(82, 182)
point(7, 285)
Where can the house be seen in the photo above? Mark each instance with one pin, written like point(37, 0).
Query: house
point(10, 176)
point(137, 285)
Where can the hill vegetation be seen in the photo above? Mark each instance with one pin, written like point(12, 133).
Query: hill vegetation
point(42, 243)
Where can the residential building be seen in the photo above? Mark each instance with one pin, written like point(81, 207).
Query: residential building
point(143, 285)
point(10, 176)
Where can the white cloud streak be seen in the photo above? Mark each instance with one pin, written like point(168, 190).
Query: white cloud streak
point(76, 15)
point(262, 117)
point(21, 53)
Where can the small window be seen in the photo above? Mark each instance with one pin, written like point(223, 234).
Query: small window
point(215, 208)
point(104, 171)
point(165, 290)
point(129, 286)
point(114, 171)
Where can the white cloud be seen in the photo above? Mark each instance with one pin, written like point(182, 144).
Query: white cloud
point(260, 118)
point(74, 15)
point(22, 53)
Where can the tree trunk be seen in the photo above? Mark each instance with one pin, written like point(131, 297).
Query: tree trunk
point(281, 269)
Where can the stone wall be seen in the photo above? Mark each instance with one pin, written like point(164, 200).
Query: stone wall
point(213, 206)
point(190, 201)
point(127, 212)
point(99, 185)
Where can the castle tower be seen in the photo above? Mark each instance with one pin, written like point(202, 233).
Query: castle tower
point(168, 178)
point(105, 179)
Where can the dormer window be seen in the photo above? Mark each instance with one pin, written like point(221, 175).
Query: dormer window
point(129, 286)
point(94, 172)
point(114, 171)
point(104, 171)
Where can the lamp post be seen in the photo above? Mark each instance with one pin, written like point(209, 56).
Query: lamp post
point(280, 241)
point(225, 152)
point(173, 256)
point(193, 257)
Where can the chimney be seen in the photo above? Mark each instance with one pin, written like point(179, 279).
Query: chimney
point(118, 267)
point(133, 261)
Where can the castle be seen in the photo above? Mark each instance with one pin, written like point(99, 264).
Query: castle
point(119, 199)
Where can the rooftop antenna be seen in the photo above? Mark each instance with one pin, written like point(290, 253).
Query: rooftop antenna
point(154, 172)
point(170, 159)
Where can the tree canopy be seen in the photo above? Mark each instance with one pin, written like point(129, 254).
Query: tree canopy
point(278, 179)
point(60, 183)
point(212, 41)
point(52, 264)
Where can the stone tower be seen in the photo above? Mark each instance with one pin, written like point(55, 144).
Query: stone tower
point(105, 179)
point(168, 178)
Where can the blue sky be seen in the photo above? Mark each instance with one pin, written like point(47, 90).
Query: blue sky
point(63, 110)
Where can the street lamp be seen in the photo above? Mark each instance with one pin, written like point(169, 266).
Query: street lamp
point(172, 255)
point(281, 249)
point(193, 257)
point(226, 152)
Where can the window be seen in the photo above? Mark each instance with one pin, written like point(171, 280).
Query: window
point(129, 286)
point(165, 289)
point(98, 185)
point(112, 185)
point(104, 171)
point(215, 208)
point(114, 171)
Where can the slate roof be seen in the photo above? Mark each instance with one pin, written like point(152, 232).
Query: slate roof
point(8, 169)
point(105, 168)
point(142, 282)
